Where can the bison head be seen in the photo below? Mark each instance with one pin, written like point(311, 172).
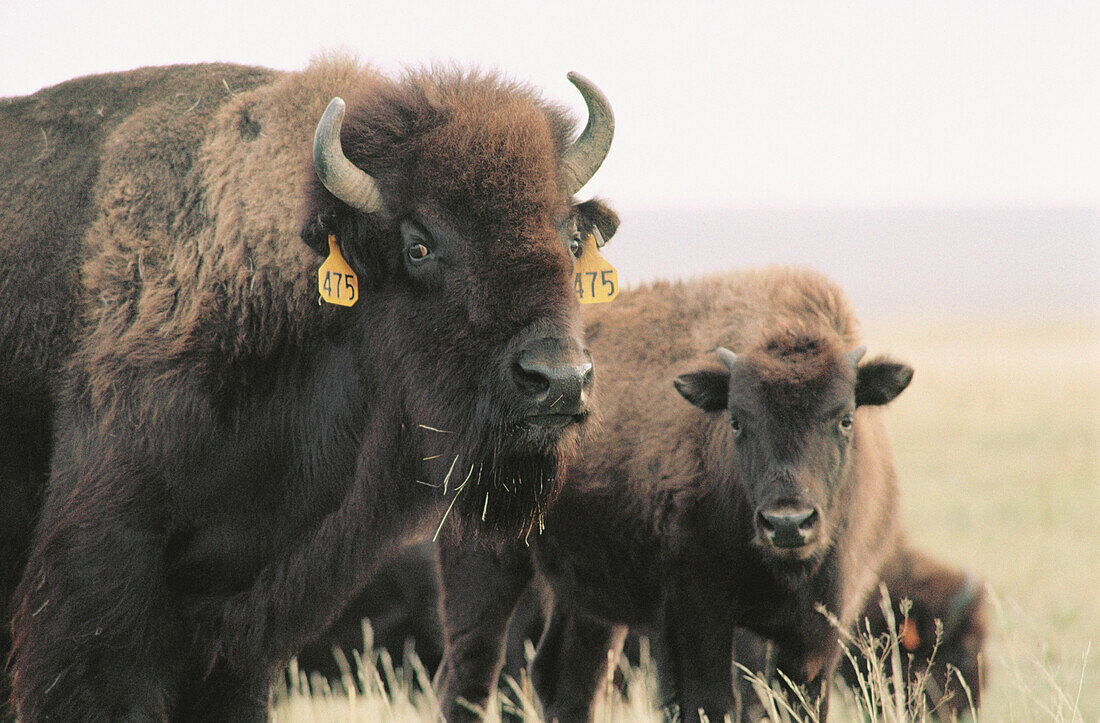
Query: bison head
point(791, 402)
point(451, 196)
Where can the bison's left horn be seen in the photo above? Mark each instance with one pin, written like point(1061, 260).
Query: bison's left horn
point(344, 179)
point(728, 357)
point(583, 158)
point(856, 354)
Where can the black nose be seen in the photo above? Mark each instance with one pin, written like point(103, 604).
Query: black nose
point(788, 524)
point(555, 374)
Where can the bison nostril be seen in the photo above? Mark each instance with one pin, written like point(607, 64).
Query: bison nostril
point(553, 373)
point(788, 525)
point(588, 374)
point(531, 377)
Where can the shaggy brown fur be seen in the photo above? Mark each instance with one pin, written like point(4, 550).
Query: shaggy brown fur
point(230, 459)
point(656, 529)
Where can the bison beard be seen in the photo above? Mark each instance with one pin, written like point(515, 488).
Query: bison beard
point(497, 479)
point(230, 460)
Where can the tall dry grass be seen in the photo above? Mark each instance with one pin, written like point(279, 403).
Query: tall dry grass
point(998, 442)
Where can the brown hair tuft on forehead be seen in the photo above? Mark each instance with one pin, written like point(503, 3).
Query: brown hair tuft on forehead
point(784, 356)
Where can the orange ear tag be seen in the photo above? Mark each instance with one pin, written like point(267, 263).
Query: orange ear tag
point(336, 282)
point(910, 638)
point(594, 280)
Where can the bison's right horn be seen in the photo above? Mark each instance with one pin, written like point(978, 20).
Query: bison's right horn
point(583, 158)
point(344, 179)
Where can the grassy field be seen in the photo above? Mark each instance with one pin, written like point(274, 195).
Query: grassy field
point(998, 443)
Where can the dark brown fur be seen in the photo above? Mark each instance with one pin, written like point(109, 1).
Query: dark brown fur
point(161, 325)
point(401, 603)
point(655, 529)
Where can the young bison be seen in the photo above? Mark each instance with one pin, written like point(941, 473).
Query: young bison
point(941, 633)
point(771, 493)
point(170, 377)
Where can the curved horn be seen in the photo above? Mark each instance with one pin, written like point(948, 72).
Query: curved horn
point(344, 179)
point(728, 357)
point(583, 158)
point(856, 354)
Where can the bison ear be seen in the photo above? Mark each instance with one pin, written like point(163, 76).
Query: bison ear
point(880, 380)
point(316, 230)
point(707, 389)
point(596, 213)
point(346, 227)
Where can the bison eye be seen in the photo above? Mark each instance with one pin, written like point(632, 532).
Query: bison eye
point(735, 425)
point(418, 246)
point(575, 246)
point(418, 252)
point(846, 423)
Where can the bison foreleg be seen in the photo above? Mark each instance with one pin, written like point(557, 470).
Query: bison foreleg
point(295, 598)
point(572, 662)
point(480, 588)
point(95, 635)
point(695, 655)
point(811, 671)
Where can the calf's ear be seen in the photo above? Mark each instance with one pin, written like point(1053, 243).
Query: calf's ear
point(707, 389)
point(880, 380)
point(596, 213)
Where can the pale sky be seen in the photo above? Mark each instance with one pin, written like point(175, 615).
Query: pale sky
point(718, 104)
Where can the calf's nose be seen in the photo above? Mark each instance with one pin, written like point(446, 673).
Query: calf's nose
point(555, 374)
point(788, 524)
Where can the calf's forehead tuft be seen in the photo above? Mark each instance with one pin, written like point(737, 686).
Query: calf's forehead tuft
point(796, 355)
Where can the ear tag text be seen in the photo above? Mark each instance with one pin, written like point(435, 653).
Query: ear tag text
point(336, 282)
point(594, 279)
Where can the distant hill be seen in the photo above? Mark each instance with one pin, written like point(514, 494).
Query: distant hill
point(923, 261)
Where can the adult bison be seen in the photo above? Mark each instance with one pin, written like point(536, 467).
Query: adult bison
point(773, 492)
point(162, 327)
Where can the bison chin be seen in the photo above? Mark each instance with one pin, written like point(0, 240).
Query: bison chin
point(794, 566)
point(518, 475)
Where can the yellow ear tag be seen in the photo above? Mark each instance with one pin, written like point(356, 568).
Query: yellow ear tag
point(594, 280)
point(336, 281)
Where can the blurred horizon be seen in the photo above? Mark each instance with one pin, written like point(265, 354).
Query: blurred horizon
point(938, 158)
point(967, 261)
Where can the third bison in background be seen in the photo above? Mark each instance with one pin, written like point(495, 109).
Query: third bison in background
point(772, 493)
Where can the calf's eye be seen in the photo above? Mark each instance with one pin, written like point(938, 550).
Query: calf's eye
point(846, 423)
point(575, 247)
point(735, 425)
point(418, 252)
